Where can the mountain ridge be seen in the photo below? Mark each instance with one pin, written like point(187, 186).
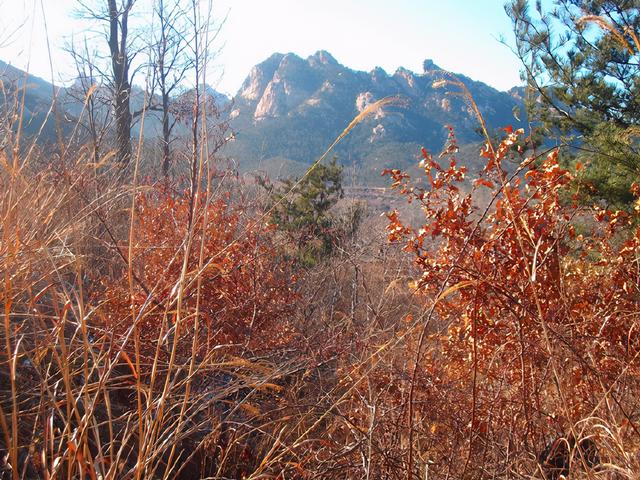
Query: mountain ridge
point(290, 108)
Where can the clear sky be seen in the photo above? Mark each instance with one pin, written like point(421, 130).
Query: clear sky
point(459, 35)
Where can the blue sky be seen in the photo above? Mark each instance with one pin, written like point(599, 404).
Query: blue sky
point(458, 35)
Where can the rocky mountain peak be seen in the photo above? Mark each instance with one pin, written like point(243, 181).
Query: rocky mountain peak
point(292, 84)
point(273, 61)
point(271, 102)
point(382, 81)
point(322, 57)
point(255, 84)
point(290, 108)
point(290, 60)
point(428, 66)
point(379, 73)
point(407, 79)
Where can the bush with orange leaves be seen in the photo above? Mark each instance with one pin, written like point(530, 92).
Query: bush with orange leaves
point(203, 275)
point(531, 329)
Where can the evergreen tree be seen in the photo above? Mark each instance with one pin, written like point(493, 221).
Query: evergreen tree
point(301, 209)
point(582, 62)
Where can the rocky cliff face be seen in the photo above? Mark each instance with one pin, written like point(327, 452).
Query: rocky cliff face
point(289, 109)
point(258, 79)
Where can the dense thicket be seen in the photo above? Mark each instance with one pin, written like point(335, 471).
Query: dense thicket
point(193, 326)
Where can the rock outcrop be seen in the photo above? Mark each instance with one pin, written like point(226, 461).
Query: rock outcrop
point(290, 108)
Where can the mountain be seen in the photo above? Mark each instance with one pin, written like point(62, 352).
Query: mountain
point(37, 99)
point(290, 109)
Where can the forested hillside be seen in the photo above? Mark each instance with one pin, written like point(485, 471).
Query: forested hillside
point(166, 316)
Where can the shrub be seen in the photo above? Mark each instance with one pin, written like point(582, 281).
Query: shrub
point(528, 328)
point(206, 263)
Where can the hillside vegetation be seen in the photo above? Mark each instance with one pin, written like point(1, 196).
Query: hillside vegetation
point(165, 317)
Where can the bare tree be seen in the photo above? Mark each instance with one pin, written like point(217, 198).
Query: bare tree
point(176, 49)
point(120, 64)
point(89, 91)
point(171, 62)
point(114, 15)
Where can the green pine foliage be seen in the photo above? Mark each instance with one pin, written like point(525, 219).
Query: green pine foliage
point(301, 209)
point(582, 64)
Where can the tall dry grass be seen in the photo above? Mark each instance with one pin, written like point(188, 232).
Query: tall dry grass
point(162, 384)
point(155, 330)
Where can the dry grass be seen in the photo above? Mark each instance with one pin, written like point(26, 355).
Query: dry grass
point(353, 377)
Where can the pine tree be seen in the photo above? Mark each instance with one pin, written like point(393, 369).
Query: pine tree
point(582, 63)
point(302, 210)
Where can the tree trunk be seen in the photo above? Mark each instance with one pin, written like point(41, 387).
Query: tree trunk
point(166, 135)
point(122, 88)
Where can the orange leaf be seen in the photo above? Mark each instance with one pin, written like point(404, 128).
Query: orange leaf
point(484, 182)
